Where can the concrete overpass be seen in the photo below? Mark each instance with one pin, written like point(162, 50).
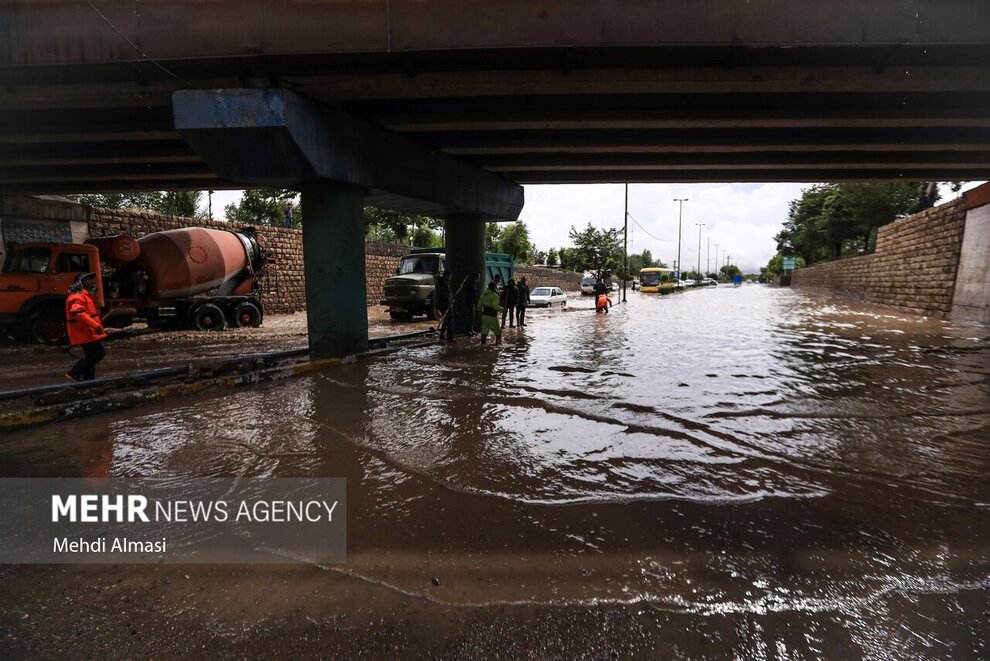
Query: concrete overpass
point(475, 97)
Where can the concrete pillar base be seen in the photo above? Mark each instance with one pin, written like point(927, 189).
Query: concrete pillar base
point(333, 252)
point(465, 243)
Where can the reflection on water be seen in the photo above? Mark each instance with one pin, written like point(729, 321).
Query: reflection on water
point(818, 470)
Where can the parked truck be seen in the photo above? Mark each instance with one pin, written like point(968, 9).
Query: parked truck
point(192, 277)
point(410, 291)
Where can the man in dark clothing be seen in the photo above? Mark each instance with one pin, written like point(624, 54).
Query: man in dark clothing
point(508, 300)
point(522, 301)
point(441, 299)
point(600, 288)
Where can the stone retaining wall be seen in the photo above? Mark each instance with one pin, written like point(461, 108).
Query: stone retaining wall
point(913, 268)
point(541, 276)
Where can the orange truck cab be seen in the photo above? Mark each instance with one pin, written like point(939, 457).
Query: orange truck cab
point(34, 284)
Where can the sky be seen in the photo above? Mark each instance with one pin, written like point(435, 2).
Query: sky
point(741, 218)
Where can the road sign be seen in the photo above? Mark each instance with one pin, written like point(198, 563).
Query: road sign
point(788, 264)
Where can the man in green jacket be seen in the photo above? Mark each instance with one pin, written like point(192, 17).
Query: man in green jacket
point(489, 307)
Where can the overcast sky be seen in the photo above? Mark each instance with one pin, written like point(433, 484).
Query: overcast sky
point(741, 218)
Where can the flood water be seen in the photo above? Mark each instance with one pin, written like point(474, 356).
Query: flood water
point(773, 475)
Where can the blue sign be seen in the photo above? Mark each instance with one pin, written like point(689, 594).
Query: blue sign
point(788, 263)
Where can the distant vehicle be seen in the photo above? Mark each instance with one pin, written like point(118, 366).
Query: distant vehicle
point(650, 279)
point(709, 282)
point(547, 297)
point(684, 284)
point(588, 283)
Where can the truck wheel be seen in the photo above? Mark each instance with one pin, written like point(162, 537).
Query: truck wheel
point(400, 316)
point(246, 315)
point(208, 317)
point(46, 326)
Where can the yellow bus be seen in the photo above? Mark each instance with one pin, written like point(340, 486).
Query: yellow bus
point(649, 280)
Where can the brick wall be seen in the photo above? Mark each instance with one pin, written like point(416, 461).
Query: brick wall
point(541, 276)
point(913, 268)
point(380, 262)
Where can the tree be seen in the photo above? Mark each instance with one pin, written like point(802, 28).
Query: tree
point(395, 227)
point(514, 240)
point(570, 260)
point(835, 220)
point(170, 203)
point(598, 250)
point(552, 257)
point(730, 271)
point(263, 206)
point(493, 233)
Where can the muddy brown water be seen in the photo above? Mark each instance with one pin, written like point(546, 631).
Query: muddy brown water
point(745, 472)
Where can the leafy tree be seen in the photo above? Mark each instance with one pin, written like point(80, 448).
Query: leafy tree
point(570, 260)
point(539, 257)
point(514, 240)
point(264, 206)
point(730, 271)
point(172, 203)
point(598, 250)
point(493, 234)
point(835, 220)
point(553, 258)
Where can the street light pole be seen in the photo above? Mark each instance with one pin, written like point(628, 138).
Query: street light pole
point(680, 211)
point(716, 259)
point(700, 225)
point(625, 244)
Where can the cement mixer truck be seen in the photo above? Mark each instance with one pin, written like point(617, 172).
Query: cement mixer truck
point(193, 278)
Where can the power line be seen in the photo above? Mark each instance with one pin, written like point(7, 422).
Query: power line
point(647, 232)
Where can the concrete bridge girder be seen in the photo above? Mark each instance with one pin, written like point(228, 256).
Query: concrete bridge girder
point(277, 138)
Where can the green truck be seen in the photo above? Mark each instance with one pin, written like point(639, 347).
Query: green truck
point(410, 291)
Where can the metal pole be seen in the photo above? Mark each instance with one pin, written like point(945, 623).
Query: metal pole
point(708, 255)
point(680, 210)
point(625, 243)
point(716, 259)
point(700, 225)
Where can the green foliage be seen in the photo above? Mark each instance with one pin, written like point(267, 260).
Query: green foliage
point(514, 240)
point(171, 203)
point(493, 234)
point(264, 206)
point(598, 250)
point(553, 257)
point(394, 227)
point(642, 261)
point(729, 271)
point(570, 259)
point(837, 220)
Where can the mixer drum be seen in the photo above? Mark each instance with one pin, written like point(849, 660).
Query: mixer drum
point(186, 262)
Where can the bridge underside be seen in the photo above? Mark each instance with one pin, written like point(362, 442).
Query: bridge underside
point(548, 115)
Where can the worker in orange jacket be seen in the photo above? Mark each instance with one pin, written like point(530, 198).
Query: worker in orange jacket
point(85, 327)
point(603, 303)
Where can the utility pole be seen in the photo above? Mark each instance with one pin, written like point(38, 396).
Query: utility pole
point(716, 259)
point(708, 255)
point(625, 243)
point(680, 210)
point(210, 195)
point(700, 225)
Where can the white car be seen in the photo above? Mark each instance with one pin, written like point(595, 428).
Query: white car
point(547, 297)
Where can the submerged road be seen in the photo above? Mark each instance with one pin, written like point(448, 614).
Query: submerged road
point(745, 472)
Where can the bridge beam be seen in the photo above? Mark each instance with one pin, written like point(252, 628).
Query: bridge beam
point(274, 137)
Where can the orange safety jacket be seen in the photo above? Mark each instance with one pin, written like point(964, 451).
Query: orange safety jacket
point(83, 319)
point(603, 301)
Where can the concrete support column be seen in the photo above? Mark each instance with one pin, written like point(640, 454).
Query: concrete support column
point(333, 251)
point(465, 243)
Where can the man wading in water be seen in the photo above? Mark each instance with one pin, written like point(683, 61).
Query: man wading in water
point(489, 307)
